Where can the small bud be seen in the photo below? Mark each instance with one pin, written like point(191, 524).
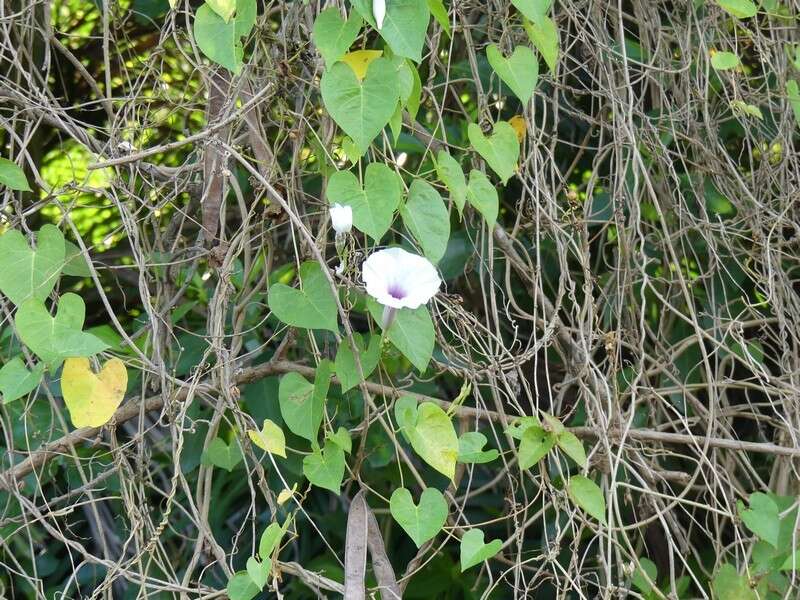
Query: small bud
point(341, 218)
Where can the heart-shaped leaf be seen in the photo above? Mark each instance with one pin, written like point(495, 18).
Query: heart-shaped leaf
point(412, 332)
point(221, 41)
point(270, 438)
point(426, 217)
point(325, 468)
point(474, 551)
point(342, 439)
point(300, 408)
point(729, 585)
point(333, 35)
point(346, 370)
point(423, 521)
point(93, 399)
point(520, 71)
point(404, 26)
point(500, 150)
point(361, 108)
point(722, 61)
point(12, 176)
point(59, 337)
point(258, 572)
point(16, 381)
point(223, 455)
point(434, 438)
point(28, 273)
point(311, 307)
point(585, 493)
point(374, 204)
point(762, 518)
point(451, 174)
point(534, 446)
point(241, 587)
point(482, 196)
point(470, 448)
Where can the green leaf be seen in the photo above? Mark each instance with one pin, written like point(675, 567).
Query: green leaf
point(423, 521)
point(12, 176)
point(221, 41)
point(534, 446)
point(28, 273)
point(346, 370)
point(374, 204)
point(325, 468)
point(412, 333)
point(741, 9)
point(585, 494)
point(405, 413)
point(342, 439)
point(450, 173)
point(311, 307)
point(361, 108)
point(474, 551)
point(75, 262)
point(270, 438)
point(270, 539)
point(259, 572)
point(322, 380)
point(301, 409)
point(482, 196)
point(434, 438)
point(439, 13)
point(535, 10)
point(224, 8)
point(519, 425)
point(500, 150)
point(16, 381)
point(223, 455)
point(722, 61)
point(333, 35)
point(646, 566)
point(762, 518)
point(544, 35)
point(572, 447)
point(470, 448)
point(520, 71)
point(56, 338)
point(793, 92)
point(729, 585)
point(241, 587)
point(425, 216)
point(743, 108)
point(404, 26)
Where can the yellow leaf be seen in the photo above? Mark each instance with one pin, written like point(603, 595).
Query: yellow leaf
point(270, 438)
point(360, 59)
point(93, 399)
point(286, 494)
point(520, 128)
point(173, 3)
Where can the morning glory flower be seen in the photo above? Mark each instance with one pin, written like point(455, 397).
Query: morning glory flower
point(399, 279)
point(341, 218)
point(379, 12)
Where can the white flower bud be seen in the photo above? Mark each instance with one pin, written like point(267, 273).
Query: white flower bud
point(341, 218)
point(379, 12)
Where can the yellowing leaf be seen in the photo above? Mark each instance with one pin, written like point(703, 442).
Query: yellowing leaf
point(360, 59)
point(93, 399)
point(518, 123)
point(286, 494)
point(270, 438)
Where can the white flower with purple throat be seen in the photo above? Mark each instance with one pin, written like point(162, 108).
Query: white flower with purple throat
point(399, 279)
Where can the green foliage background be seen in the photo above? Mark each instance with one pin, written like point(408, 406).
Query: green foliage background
point(613, 209)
